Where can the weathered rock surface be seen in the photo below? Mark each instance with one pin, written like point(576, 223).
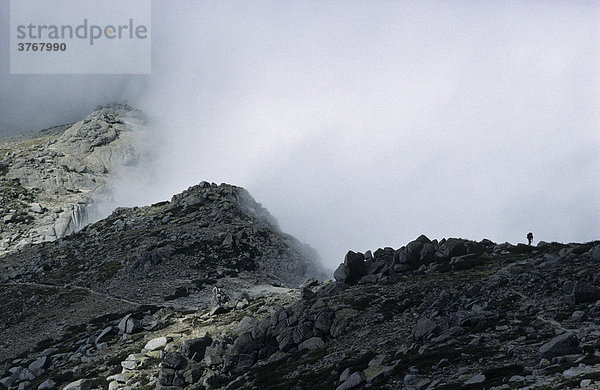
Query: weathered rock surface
point(565, 344)
point(205, 291)
point(51, 181)
point(134, 258)
point(504, 321)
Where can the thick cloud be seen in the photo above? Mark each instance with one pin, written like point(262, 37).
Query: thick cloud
point(365, 124)
point(34, 102)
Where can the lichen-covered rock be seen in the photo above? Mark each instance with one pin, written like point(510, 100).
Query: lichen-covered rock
point(174, 360)
point(342, 273)
point(564, 344)
point(194, 348)
point(424, 328)
point(81, 384)
point(585, 292)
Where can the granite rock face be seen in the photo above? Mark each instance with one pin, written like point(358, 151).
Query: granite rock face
point(51, 181)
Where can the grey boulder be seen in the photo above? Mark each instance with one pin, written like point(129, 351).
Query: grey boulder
point(565, 344)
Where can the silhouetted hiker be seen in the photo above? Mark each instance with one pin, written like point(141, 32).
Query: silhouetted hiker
point(530, 237)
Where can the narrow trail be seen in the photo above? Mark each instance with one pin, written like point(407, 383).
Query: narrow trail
point(71, 286)
point(174, 305)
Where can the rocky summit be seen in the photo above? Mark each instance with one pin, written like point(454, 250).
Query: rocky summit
point(50, 180)
point(170, 254)
point(206, 292)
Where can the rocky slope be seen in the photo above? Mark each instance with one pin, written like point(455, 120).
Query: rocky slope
point(453, 314)
point(171, 254)
point(50, 180)
point(205, 291)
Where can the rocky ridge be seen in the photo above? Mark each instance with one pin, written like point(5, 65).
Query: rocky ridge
point(51, 180)
point(453, 314)
point(168, 254)
point(205, 291)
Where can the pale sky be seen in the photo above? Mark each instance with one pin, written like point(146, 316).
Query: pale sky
point(362, 124)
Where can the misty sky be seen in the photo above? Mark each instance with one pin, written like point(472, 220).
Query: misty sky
point(362, 124)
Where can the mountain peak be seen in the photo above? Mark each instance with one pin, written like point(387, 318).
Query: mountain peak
point(50, 180)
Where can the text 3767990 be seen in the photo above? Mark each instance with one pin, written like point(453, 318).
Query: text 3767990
point(41, 46)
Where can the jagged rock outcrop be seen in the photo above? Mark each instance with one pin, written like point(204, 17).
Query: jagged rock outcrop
point(463, 314)
point(505, 316)
point(421, 254)
point(50, 181)
point(172, 253)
